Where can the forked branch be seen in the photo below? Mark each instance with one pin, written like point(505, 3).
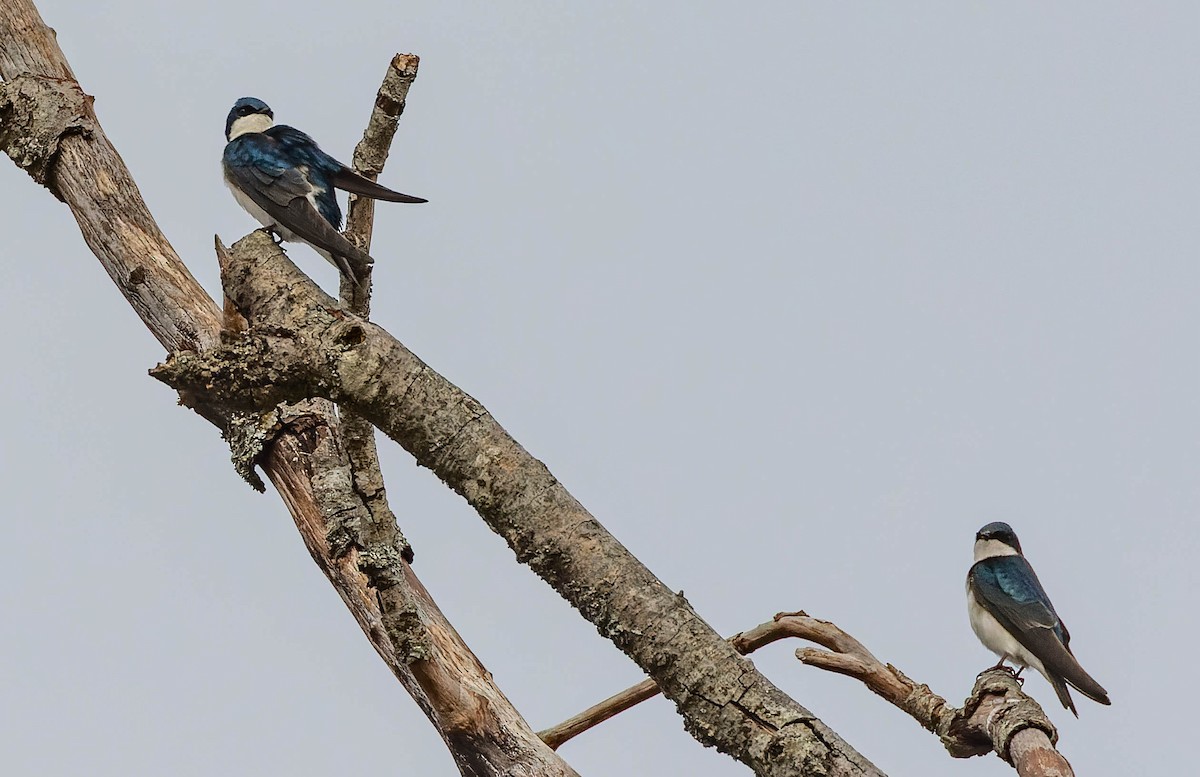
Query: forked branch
point(301, 343)
point(997, 717)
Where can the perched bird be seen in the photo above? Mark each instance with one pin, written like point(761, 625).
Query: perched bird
point(286, 182)
point(1013, 617)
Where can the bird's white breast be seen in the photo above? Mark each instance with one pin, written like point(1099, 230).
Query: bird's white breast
point(260, 215)
point(250, 206)
point(264, 218)
point(995, 637)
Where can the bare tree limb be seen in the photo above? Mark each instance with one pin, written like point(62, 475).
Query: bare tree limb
point(483, 731)
point(380, 536)
point(301, 344)
point(369, 158)
point(370, 155)
point(992, 719)
point(48, 128)
point(997, 717)
point(557, 736)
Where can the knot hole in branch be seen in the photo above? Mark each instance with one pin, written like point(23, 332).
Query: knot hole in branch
point(351, 336)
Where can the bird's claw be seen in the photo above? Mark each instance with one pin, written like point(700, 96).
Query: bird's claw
point(1016, 673)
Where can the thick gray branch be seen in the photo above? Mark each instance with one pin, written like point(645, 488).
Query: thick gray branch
point(301, 344)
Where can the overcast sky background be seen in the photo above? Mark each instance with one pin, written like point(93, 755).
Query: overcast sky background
point(793, 297)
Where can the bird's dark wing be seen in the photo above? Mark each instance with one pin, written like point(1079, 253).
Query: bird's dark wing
point(1013, 594)
point(347, 179)
point(283, 195)
point(1008, 588)
point(309, 225)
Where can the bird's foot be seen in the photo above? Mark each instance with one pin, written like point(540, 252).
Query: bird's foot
point(273, 231)
point(1016, 673)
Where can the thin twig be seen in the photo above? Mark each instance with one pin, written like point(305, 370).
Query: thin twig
point(370, 155)
point(745, 643)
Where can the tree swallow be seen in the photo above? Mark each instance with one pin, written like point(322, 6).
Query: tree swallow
point(1013, 617)
point(286, 182)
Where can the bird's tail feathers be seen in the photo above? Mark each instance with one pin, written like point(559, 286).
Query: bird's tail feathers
point(354, 183)
point(346, 268)
point(1061, 663)
point(346, 262)
point(1084, 683)
point(1064, 695)
point(1061, 668)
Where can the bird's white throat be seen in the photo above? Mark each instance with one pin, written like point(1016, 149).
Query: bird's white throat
point(255, 122)
point(992, 548)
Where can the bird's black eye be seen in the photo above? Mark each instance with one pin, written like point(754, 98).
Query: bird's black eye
point(245, 110)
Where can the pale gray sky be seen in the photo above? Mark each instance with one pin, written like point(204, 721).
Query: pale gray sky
point(793, 297)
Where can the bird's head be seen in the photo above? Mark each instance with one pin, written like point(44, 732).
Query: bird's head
point(249, 114)
point(996, 539)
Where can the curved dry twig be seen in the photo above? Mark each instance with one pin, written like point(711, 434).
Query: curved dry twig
point(997, 717)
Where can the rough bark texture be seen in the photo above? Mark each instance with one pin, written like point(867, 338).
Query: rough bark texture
point(48, 128)
point(302, 344)
point(483, 731)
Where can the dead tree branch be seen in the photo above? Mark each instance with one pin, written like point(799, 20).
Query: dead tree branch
point(48, 128)
point(302, 344)
point(380, 536)
point(997, 717)
point(370, 155)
